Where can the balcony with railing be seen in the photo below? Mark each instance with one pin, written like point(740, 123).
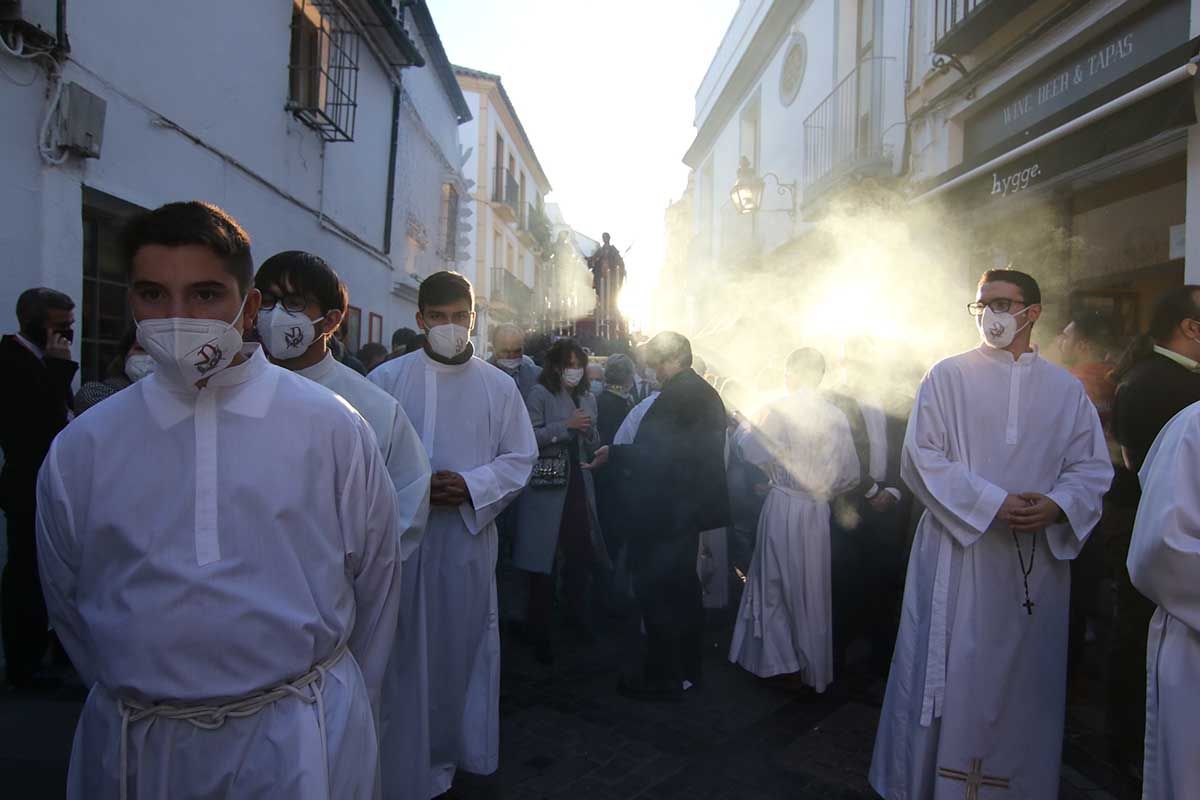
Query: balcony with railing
point(506, 195)
point(844, 135)
point(961, 25)
point(510, 295)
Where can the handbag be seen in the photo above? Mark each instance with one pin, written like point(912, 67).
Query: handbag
point(549, 472)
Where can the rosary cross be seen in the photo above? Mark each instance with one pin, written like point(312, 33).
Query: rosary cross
point(974, 778)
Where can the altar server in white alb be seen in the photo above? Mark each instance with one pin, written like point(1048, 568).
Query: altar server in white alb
point(1164, 565)
point(1007, 455)
point(303, 303)
point(804, 445)
point(219, 550)
point(480, 442)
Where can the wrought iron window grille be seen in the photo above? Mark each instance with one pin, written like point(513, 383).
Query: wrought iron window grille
point(323, 68)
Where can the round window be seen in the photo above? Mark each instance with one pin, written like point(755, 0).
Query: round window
point(792, 74)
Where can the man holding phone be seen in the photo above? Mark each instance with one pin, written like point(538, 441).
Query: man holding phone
point(37, 363)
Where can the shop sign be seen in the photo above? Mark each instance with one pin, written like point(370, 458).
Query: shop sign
point(1097, 65)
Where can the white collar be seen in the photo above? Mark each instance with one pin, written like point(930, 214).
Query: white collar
point(31, 347)
point(170, 403)
point(321, 370)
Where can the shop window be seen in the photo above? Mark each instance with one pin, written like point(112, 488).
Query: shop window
point(105, 306)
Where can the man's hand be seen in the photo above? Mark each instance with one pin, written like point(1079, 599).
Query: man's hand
point(1039, 512)
point(883, 500)
point(1010, 506)
point(448, 489)
point(598, 460)
point(57, 346)
point(579, 421)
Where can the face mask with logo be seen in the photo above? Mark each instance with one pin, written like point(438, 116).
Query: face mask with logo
point(188, 350)
point(286, 335)
point(572, 376)
point(510, 364)
point(448, 341)
point(999, 328)
point(138, 366)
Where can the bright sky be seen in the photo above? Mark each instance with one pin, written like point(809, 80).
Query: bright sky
point(606, 92)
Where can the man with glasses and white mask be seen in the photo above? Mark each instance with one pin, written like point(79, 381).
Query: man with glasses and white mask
point(480, 442)
point(1006, 452)
point(509, 343)
point(219, 550)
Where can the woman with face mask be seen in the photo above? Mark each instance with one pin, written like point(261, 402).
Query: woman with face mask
point(130, 365)
point(558, 510)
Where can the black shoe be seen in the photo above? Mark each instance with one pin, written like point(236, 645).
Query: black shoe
point(650, 692)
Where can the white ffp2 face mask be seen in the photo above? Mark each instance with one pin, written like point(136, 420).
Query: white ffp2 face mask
point(448, 340)
point(572, 376)
point(999, 328)
point(189, 350)
point(286, 335)
point(138, 366)
point(510, 364)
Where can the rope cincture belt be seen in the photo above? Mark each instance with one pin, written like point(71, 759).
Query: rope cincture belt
point(308, 688)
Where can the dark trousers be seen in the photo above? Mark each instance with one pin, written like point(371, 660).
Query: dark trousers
point(867, 575)
point(669, 595)
point(23, 607)
point(575, 550)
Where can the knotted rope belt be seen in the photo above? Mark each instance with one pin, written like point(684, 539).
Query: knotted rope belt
point(307, 688)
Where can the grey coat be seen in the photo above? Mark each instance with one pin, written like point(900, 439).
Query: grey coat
point(540, 511)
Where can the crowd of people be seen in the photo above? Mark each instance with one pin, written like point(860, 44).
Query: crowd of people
point(273, 562)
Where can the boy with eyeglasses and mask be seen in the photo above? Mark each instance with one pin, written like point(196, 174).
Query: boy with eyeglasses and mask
point(1006, 453)
point(34, 407)
point(481, 445)
point(219, 550)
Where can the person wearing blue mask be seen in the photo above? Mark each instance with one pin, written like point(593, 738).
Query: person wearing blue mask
point(219, 550)
point(508, 344)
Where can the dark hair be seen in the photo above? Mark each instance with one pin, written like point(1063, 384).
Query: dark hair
point(557, 358)
point(305, 274)
point(669, 346)
point(404, 337)
point(1094, 327)
point(1173, 307)
point(372, 354)
point(807, 364)
point(193, 222)
point(443, 288)
point(34, 305)
point(1031, 294)
point(116, 367)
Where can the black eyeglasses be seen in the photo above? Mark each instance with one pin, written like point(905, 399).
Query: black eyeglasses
point(1001, 305)
point(292, 303)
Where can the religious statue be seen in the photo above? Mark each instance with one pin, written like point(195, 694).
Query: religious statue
point(608, 276)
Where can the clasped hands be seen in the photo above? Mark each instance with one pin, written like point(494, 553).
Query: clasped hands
point(448, 489)
point(1029, 512)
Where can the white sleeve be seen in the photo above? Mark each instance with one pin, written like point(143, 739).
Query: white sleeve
point(1164, 554)
point(964, 503)
point(408, 466)
point(494, 485)
point(369, 520)
point(58, 565)
point(1079, 491)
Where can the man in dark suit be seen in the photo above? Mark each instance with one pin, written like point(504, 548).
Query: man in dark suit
point(38, 370)
point(675, 474)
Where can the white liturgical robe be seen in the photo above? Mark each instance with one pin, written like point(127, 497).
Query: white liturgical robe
point(471, 420)
point(1164, 564)
point(977, 689)
point(200, 545)
point(785, 624)
point(402, 450)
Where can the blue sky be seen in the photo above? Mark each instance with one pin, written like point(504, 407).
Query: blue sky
point(606, 92)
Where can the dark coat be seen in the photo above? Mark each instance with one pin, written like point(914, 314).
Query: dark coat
point(611, 412)
point(674, 472)
point(526, 375)
point(33, 409)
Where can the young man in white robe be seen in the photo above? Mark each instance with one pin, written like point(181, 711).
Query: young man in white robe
point(804, 445)
point(1164, 565)
point(219, 550)
point(477, 434)
point(304, 302)
point(1007, 454)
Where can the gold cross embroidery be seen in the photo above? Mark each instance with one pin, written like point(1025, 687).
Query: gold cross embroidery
point(973, 778)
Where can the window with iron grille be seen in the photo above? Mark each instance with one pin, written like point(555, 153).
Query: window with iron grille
point(449, 221)
point(323, 69)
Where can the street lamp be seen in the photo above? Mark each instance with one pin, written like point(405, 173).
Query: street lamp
point(747, 191)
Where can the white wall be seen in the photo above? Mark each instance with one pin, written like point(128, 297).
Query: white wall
point(226, 84)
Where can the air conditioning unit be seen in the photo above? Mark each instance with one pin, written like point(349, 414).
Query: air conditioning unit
point(37, 20)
